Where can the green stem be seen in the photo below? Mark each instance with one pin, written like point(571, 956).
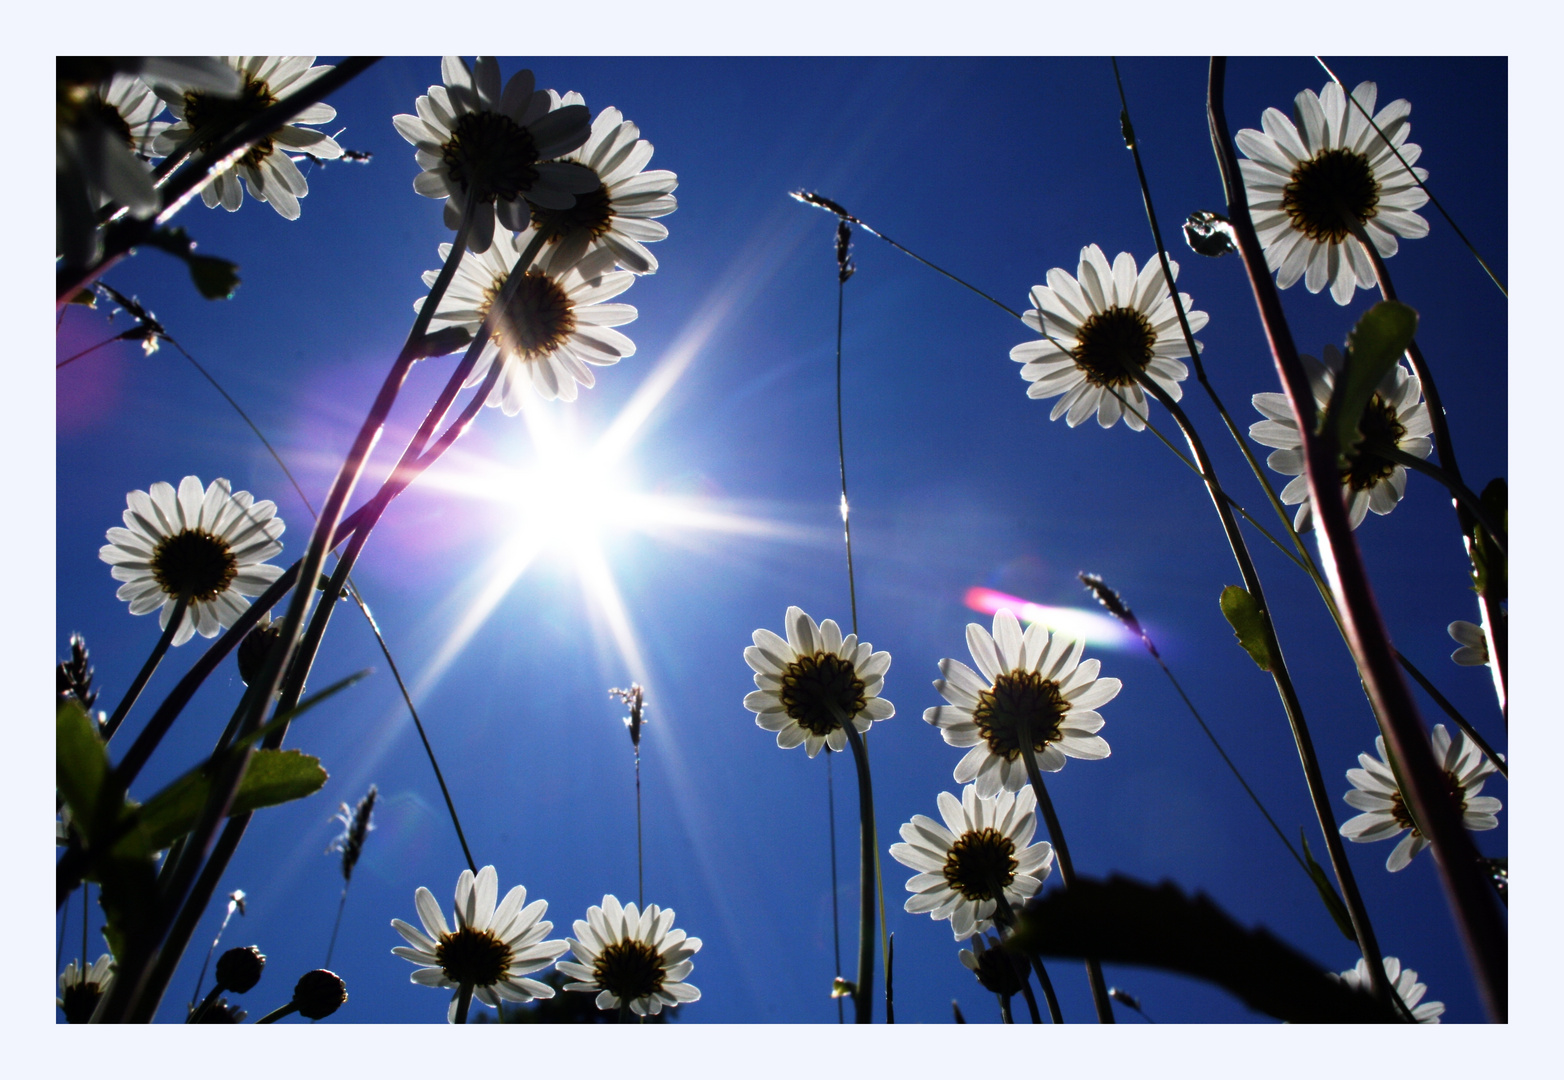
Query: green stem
point(278, 1013)
point(1004, 1009)
point(863, 991)
point(836, 920)
point(1005, 915)
point(139, 683)
point(1031, 1002)
point(463, 1002)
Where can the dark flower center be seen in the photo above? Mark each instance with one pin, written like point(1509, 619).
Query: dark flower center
point(1014, 697)
point(491, 154)
point(212, 116)
point(979, 862)
point(812, 684)
point(1113, 346)
point(1398, 809)
point(538, 319)
point(629, 969)
point(1381, 431)
point(592, 214)
point(81, 1001)
point(1330, 194)
point(473, 956)
point(194, 563)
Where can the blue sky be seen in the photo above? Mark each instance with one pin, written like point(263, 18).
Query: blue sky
point(998, 170)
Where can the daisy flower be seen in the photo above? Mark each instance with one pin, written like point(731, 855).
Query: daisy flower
point(490, 948)
point(1395, 418)
point(616, 213)
point(802, 677)
point(1474, 647)
point(983, 844)
point(1376, 793)
point(1408, 989)
point(1311, 183)
point(83, 990)
point(102, 133)
point(555, 325)
point(631, 958)
point(1100, 331)
point(1035, 677)
point(268, 171)
point(470, 135)
point(210, 546)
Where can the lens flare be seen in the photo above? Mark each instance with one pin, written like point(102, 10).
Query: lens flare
point(1094, 627)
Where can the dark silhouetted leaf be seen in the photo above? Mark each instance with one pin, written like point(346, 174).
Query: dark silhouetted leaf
point(273, 776)
point(81, 764)
point(215, 279)
point(1120, 921)
point(1490, 567)
point(1243, 614)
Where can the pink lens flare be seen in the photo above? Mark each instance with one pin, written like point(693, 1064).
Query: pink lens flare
point(1098, 629)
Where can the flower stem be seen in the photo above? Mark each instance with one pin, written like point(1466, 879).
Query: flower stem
point(463, 1003)
point(278, 1013)
point(863, 991)
point(1031, 1002)
point(1062, 850)
point(836, 919)
point(1004, 1009)
point(1465, 884)
point(1454, 714)
point(1495, 624)
point(1005, 914)
point(1465, 496)
point(139, 683)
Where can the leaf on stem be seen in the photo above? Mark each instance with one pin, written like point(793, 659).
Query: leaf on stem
point(1375, 344)
point(1490, 567)
point(273, 777)
point(1333, 904)
point(81, 764)
point(214, 278)
point(1243, 614)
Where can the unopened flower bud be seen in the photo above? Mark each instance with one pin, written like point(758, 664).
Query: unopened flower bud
point(255, 647)
point(319, 993)
point(240, 969)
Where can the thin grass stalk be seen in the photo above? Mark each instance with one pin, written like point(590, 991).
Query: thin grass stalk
point(1006, 915)
point(140, 681)
point(1466, 887)
point(1454, 714)
point(201, 171)
point(1495, 624)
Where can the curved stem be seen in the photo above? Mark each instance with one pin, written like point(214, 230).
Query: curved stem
point(836, 920)
point(1004, 1009)
point(1465, 883)
point(1465, 496)
point(1062, 850)
point(278, 1013)
point(1454, 714)
point(139, 683)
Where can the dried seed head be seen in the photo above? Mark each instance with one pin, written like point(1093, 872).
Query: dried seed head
point(240, 969)
point(635, 699)
point(319, 993)
point(1116, 606)
point(844, 258)
point(74, 676)
point(356, 825)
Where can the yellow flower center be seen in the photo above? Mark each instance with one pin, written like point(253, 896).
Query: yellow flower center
point(1330, 194)
point(812, 684)
point(1017, 696)
point(194, 563)
point(979, 862)
point(1113, 346)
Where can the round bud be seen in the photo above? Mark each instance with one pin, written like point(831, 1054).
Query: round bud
point(254, 648)
point(319, 993)
point(240, 969)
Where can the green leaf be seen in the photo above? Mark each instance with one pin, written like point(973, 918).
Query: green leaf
point(1333, 904)
point(1375, 344)
point(1243, 614)
point(81, 764)
point(1121, 921)
point(273, 777)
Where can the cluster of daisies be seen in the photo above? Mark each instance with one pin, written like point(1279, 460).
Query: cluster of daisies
point(632, 959)
point(526, 173)
point(112, 128)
